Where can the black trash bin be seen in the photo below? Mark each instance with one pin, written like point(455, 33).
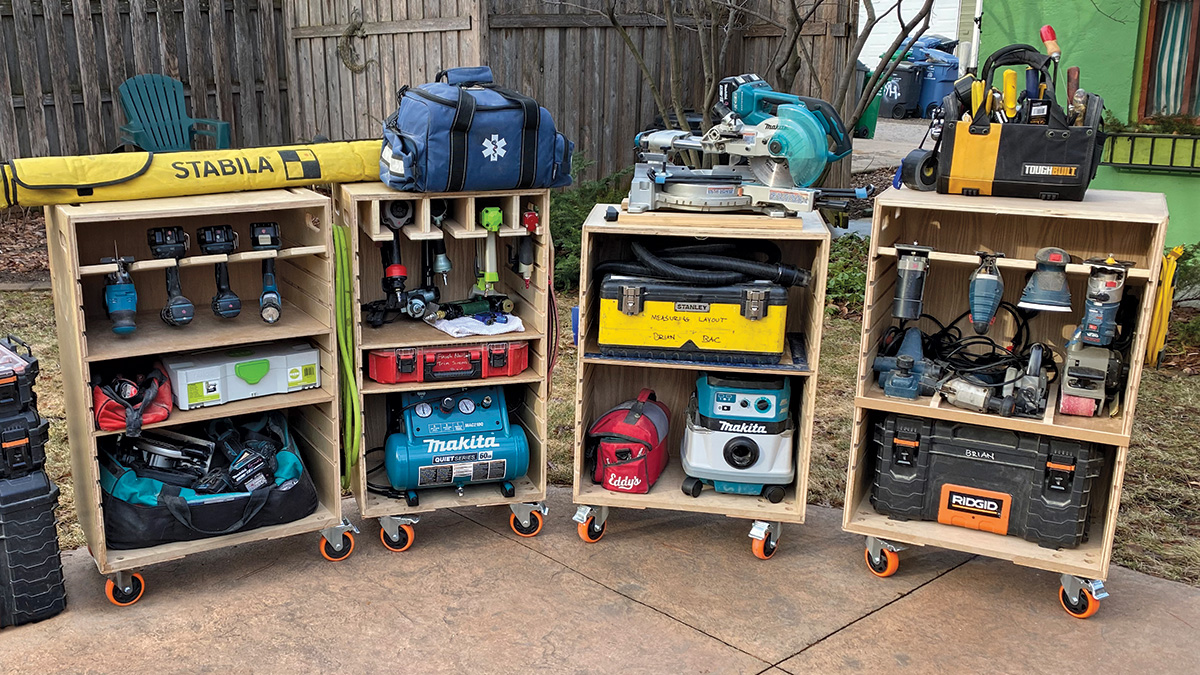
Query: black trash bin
point(902, 92)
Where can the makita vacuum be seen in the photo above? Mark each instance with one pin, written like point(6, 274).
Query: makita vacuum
point(739, 436)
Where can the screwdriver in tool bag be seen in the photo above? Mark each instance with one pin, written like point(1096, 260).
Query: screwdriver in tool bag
point(1010, 95)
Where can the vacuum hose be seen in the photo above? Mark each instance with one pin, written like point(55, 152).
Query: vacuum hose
point(699, 266)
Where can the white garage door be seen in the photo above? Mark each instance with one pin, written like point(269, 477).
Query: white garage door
point(943, 20)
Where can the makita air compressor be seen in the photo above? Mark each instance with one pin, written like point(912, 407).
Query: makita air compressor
point(739, 436)
point(453, 438)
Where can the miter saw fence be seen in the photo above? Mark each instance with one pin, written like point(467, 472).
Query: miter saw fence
point(778, 145)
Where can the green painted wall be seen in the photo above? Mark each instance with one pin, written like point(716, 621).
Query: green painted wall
point(1183, 198)
point(1099, 36)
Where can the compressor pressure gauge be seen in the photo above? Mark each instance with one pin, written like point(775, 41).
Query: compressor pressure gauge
point(466, 406)
point(423, 410)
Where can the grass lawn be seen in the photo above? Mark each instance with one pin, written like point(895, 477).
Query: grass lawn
point(1159, 528)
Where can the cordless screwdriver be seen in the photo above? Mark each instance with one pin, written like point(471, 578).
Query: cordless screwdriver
point(172, 243)
point(265, 237)
point(221, 240)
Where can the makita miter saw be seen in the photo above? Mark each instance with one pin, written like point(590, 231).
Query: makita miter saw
point(778, 145)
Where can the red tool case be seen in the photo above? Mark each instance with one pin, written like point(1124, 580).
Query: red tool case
point(444, 364)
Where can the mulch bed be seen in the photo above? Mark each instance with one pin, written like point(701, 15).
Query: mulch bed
point(22, 246)
point(880, 178)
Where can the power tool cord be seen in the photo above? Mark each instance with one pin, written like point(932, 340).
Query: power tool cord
point(949, 347)
point(345, 311)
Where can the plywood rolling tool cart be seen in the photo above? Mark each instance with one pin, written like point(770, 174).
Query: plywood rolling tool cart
point(458, 418)
point(696, 391)
point(1001, 358)
point(244, 446)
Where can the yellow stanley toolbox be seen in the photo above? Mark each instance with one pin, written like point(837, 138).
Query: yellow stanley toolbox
point(649, 318)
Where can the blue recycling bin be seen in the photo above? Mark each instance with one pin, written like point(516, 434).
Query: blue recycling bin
point(938, 73)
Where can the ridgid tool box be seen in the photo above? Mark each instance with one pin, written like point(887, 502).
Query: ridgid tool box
point(31, 577)
point(1024, 485)
point(446, 364)
point(649, 318)
point(17, 374)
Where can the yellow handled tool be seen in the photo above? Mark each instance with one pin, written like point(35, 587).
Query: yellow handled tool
point(978, 93)
point(1010, 94)
point(1162, 307)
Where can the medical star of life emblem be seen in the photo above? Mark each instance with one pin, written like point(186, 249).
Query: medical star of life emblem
point(493, 148)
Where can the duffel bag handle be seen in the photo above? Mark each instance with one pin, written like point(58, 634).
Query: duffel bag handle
point(181, 510)
point(635, 410)
point(465, 76)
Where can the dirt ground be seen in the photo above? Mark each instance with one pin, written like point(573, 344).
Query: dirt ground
point(22, 246)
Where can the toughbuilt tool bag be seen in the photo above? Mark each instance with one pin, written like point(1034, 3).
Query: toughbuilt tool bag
point(31, 577)
point(1046, 161)
point(994, 480)
point(468, 133)
point(140, 512)
point(626, 448)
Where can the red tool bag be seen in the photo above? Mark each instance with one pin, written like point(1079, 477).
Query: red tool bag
point(627, 447)
point(124, 404)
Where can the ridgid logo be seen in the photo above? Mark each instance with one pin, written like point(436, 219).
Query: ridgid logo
point(623, 482)
point(461, 443)
point(1050, 170)
point(742, 427)
point(981, 506)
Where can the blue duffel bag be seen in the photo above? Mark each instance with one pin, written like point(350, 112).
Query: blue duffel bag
point(468, 133)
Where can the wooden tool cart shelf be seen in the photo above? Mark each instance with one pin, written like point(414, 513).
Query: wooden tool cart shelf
point(359, 207)
point(80, 235)
point(605, 381)
point(1130, 226)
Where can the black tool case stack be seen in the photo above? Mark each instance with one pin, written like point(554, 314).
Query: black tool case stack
point(31, 577)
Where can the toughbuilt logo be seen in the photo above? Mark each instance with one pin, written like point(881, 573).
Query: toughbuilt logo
point(298, 164)
point(979, 506)
point(461, 443)
point(742, 427)
point(1050, 170)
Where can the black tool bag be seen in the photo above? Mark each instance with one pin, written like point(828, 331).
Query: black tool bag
point(140, 512)
point(1045, 161)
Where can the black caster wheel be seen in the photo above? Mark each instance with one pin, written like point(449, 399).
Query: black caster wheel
point(692, 486)
point(411, 498)
point(589, 532)
point(535, 524)
point(773, 493)
point(333, 555)
point(401, 544)
point(119, 597)
point(508, 489)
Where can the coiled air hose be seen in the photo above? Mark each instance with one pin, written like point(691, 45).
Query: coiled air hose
point(698, 265)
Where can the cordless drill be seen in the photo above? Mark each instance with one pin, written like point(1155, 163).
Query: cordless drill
point(221, 240)
point(265, 237)
point(120, 297)
point(172, 243)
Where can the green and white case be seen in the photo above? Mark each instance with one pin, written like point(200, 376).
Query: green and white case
point(223, 375)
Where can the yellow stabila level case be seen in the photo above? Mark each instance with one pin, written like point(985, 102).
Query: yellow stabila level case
point(648, 318)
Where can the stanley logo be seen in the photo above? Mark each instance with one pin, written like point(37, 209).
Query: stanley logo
point(1050, 170)
point(980, 506)
point(691, 307)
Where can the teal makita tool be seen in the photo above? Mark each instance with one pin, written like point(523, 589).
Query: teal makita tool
point(265, 237)
point(120, 297)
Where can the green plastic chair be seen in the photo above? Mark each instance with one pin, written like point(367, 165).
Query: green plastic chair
point(158, 119)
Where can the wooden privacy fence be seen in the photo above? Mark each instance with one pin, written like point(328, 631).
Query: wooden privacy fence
point(61, 62)
point(292, 70)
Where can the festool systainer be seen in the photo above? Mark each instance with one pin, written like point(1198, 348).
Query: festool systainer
point(224, 375)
